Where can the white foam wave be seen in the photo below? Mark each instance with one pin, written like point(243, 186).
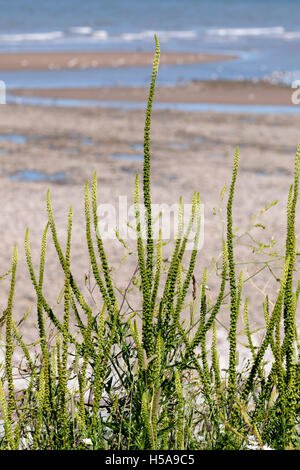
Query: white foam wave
point(163, 35)
point(278, 32)
point(285, 77)
point(82, 30)
point(240, 32)
point(290, 35)
point(100, 34)
point(31, 36)
point(88, 34)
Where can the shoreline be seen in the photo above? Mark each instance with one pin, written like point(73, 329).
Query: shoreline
point(61, 148)
point(215, 92)
point(100, 59)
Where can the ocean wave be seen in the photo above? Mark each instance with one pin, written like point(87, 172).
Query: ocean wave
point(275, 32)
point(283, 77)
point(31, 36)
point(89, 34)
point(81, 30)
point(163, 35)
point(290, 35)
point(100, 34)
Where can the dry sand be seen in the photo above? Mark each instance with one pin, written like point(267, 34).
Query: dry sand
point(190, 151)
point(83, 60)
point(219, 92)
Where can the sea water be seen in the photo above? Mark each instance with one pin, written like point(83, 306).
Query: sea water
point(263, 34)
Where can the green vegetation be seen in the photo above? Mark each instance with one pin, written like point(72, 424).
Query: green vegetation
point(151, 379)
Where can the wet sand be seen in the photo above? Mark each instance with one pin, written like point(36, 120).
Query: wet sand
point(84, 60)
point(190, 151)
point(218, 92)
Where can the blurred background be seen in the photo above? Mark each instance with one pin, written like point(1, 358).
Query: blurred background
point(77, 76)
point(263, 35)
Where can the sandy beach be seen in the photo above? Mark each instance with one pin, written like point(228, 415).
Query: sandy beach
point(190, 151)
point(215, 369)
point(60, 148)
point(218, 92)
point(83, 60)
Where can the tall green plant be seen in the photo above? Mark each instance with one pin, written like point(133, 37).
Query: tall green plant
point(114, 383)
